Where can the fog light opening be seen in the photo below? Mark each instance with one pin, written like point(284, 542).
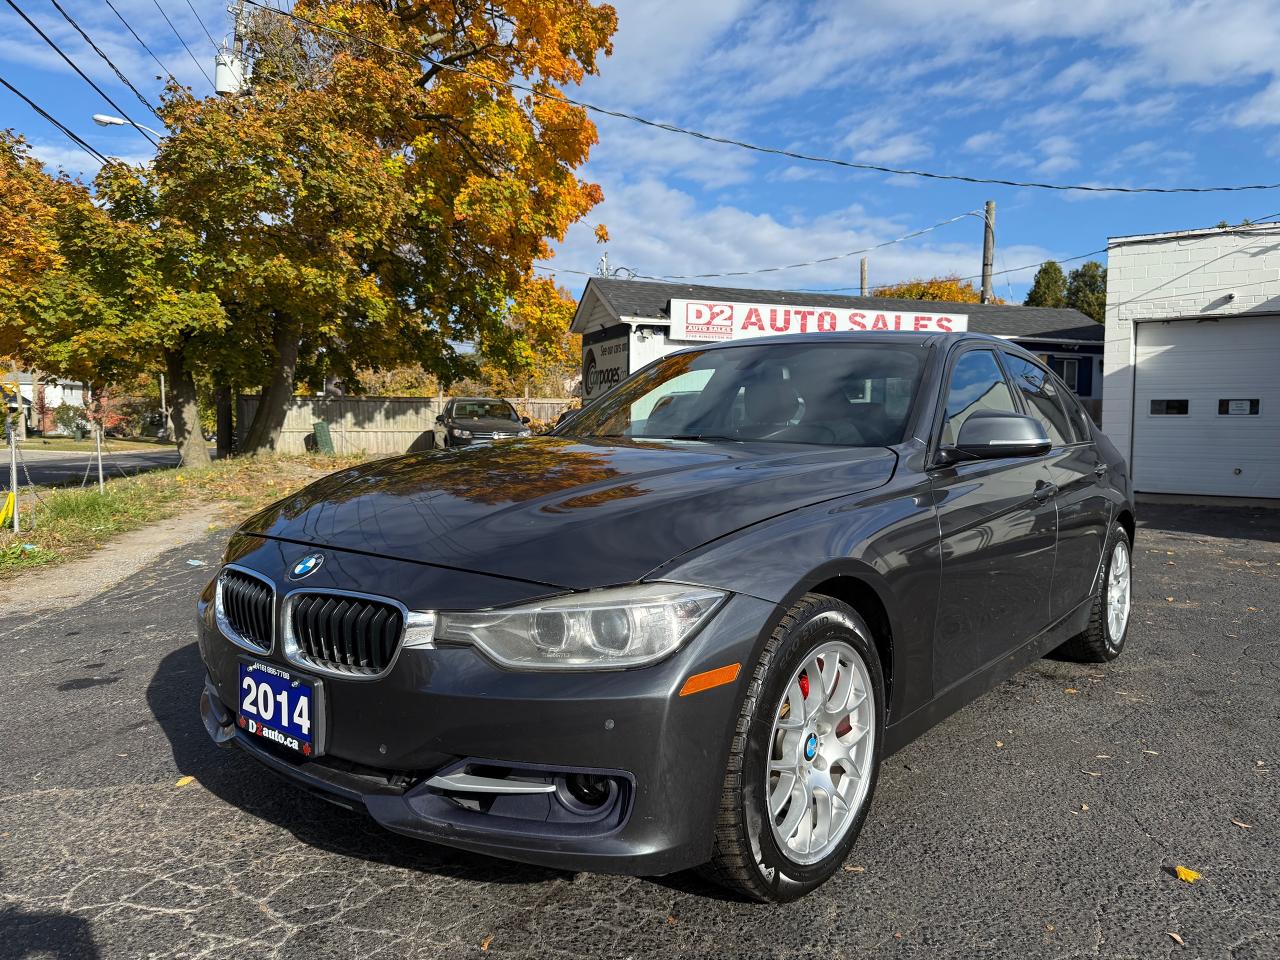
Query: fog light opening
point(588, 791)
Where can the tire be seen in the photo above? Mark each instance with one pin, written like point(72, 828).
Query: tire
point(1097, 644)
point(750, 855)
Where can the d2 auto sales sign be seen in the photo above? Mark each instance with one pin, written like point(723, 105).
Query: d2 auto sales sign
point(702, 320)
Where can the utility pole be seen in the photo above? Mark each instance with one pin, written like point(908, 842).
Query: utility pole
point(988, 249)
point(863, 284)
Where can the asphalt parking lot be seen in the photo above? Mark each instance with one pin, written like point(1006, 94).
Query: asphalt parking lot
point(1042, 821)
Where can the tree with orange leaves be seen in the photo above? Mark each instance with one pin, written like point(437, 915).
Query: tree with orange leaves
point(950, 289)
point(379, 194)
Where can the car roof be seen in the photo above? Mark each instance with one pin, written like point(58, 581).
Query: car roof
point(480, 400)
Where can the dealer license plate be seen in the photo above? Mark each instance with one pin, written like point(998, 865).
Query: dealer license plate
point(280, 706)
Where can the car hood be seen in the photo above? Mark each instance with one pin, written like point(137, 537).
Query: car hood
point(565, 512)
point(486, 424)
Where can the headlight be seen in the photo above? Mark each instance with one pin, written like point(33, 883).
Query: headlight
point(459, 432)
point(525, 433)
point(601, 630)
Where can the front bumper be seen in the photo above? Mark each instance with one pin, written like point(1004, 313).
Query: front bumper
point(440, 709)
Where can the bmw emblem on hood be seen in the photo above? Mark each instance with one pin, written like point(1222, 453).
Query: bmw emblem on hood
point(306, 566)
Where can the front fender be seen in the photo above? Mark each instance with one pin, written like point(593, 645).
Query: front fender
point(887, 540)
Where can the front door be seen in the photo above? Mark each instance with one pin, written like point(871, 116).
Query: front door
point(998, 528)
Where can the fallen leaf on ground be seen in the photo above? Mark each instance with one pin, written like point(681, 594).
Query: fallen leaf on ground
point(1185, 874)
point(1049, 928)
point(484, 944)
point(1071, 690)
point(999, 743)
point(1084, 807)
point(852, 869)
point(1243, 826)
point(1170, 599)
point(672, 920)
point(1092, 773)
point(1152, 752)
point(1177, 939)
point(1102, 756)
point(183, 781)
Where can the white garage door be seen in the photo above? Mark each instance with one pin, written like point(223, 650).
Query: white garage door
point(1207, 408)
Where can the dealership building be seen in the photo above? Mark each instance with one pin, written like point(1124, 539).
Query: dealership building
point(625, 324)
point(1192, 360)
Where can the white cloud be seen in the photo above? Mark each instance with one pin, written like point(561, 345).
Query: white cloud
point(879, 138)
point(983, 142)
point(1058, 154)
point(660, 231)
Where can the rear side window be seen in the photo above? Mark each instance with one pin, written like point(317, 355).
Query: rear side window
point(977, 383)
point(1042, 398)
point(1076, 414)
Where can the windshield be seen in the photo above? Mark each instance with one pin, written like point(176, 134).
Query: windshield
point(475, 409)
point(835, 393)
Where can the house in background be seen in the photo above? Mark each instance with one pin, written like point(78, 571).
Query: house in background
point(625, 324)
point(54, 394)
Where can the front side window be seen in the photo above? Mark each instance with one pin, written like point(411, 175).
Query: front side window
point(977, 383)
point(837, 394)
point(1042, 398)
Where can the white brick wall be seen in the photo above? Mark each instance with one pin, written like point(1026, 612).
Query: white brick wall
point(1179, 276)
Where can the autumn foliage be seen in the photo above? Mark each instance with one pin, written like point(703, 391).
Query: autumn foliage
point(377, 197)
point(950, 289)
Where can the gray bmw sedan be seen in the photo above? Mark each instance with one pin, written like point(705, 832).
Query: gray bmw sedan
point(684, 628)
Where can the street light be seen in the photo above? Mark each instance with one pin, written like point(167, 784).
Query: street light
point(106, 120)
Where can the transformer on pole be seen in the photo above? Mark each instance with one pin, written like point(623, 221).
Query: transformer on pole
point(231, 66)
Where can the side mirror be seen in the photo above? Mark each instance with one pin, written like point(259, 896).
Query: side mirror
point(440, 419)
point(993, 434)
point(524, 419)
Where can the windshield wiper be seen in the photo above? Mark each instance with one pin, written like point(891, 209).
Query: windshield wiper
point(696, 436)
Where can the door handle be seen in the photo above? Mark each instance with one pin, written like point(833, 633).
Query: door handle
point(1045, 490)
point(1100, 470)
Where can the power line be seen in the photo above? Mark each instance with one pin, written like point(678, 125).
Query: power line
point(142, 43)
point(199, 66)
point(107, 60)
point(202, 26)
point(976, 276)
point(84, 76)
point(560, 97)
point(70, 134)
point(810, 263)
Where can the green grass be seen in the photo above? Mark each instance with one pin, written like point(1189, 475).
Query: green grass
point(72, 522)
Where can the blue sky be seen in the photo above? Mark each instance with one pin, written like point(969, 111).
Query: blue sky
point(1124, 92)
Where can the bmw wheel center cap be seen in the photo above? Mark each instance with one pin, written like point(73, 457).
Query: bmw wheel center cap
point(811, 747)
point(306, 566)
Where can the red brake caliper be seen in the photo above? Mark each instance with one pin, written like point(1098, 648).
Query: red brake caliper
point(804, 685)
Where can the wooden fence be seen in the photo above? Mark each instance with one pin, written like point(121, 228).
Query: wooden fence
point(376, 425)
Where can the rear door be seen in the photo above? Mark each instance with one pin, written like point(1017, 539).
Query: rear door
point(1079, 473)
point(998, 525)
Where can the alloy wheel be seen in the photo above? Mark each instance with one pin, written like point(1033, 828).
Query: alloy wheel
point(821, 750)
point(1119, 598)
